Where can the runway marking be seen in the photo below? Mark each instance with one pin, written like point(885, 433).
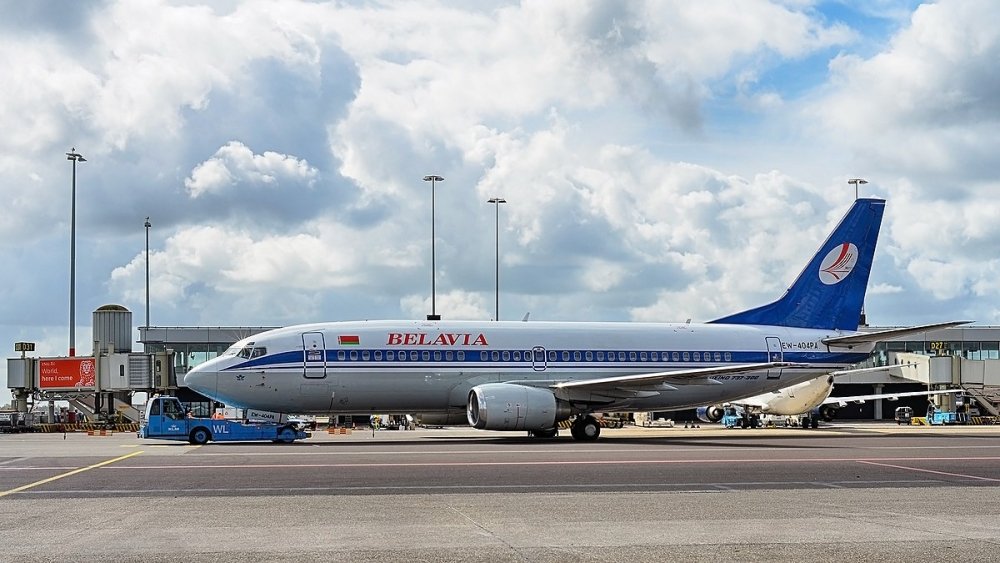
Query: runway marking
point(932, 471)
point(539, 463)
point(12, 460)
point(67, 474)
point(733, 487)
point(286, 452)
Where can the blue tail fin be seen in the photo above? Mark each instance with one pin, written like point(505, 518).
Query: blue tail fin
point(830, 291)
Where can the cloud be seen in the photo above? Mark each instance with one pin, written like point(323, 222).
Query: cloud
point(235, 164)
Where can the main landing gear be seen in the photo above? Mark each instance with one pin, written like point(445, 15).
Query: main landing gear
point(585, 428)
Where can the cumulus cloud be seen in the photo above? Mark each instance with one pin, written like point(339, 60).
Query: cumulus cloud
point(235, 164)
point(661, 160)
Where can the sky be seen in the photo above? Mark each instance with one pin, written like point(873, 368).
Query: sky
point(661, 161)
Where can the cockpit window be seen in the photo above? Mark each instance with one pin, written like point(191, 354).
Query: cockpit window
point(252, 352)
point(232, 350)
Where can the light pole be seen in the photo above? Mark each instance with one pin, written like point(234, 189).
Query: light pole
point(75, 157)
point(863, 321)
point(147, 225)
point(496, 201)
point(433, 179)
point(857, 181)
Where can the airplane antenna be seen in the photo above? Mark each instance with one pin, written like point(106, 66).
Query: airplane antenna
point(524, 319)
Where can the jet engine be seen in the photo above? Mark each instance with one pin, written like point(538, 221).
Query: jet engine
point(711, 413)
point(827, 412)
point(508, 406)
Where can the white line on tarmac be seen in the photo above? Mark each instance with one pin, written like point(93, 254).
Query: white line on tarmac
point(540, 462)
point(963, 475)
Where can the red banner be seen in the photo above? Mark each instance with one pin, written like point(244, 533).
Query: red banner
point(67, 373)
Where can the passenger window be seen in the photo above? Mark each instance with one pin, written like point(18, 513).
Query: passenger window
point(517, 355)
point(425, 355)
point(687, 356)
point(552, 355)
point(378, 355)
point(600, 356)
point(621, 356)
point(717, 356)
point(674, 357)
point(611, 356)
point(496, 356)
point(697, 356)
point(365, 355)
point(354, 355)
point(341, 355)
point(576, 356)
point(729, 357)
point(484, 356)
point(390, 355)
point(652, 356)
point(631, 356)
point(437, 355)
point(413, 356)
point(449, 356)
point(402, 356)
point(589, 355)
point(461, 355)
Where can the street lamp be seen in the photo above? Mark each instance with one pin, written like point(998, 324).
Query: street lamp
point(75, 157)
point(496, 201)
point(147, 225)
point(433, 179)
point(857, 181)
point(863, 321)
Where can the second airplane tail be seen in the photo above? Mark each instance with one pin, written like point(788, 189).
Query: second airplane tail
point(829, 293)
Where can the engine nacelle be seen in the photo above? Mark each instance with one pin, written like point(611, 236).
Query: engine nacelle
point(827, 412)
point(450, 418)
point(508, 406)
point(711, 413)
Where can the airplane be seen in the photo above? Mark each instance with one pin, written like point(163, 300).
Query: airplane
point(530, 376)
point(805, 403)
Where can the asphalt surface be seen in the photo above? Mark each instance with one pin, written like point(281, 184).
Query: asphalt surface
point(846, 493)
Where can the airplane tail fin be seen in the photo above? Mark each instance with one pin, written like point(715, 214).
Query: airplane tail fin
point(829, 293)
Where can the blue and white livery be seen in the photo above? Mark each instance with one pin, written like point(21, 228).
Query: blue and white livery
point(533, 375)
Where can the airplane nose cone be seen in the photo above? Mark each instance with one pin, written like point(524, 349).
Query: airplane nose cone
point(201, 380)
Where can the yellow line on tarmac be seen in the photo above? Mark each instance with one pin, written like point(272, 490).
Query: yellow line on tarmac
point(74, 472)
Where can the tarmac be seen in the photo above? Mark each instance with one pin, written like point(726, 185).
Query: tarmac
point(847, 492)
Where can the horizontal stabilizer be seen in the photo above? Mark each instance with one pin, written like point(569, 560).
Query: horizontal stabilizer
point(873, 337)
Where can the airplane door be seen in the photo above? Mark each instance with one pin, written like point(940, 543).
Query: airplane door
point(314, 355)
point(774, 354)
point(538, 358)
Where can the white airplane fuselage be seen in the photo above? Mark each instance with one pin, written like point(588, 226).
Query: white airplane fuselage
point(430, 366)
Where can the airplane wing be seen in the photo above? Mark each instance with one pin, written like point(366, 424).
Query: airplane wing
point(844, 401)
point(871, 337)
point(699, 376)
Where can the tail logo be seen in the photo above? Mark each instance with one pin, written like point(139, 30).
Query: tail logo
point(838, 263)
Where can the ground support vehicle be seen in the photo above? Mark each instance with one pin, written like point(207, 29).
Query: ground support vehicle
point(167, 419)
point(903, 415)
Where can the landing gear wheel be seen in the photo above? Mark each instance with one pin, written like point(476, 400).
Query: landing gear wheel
point(199, 436)
point(814, 423)
point(586, 428)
